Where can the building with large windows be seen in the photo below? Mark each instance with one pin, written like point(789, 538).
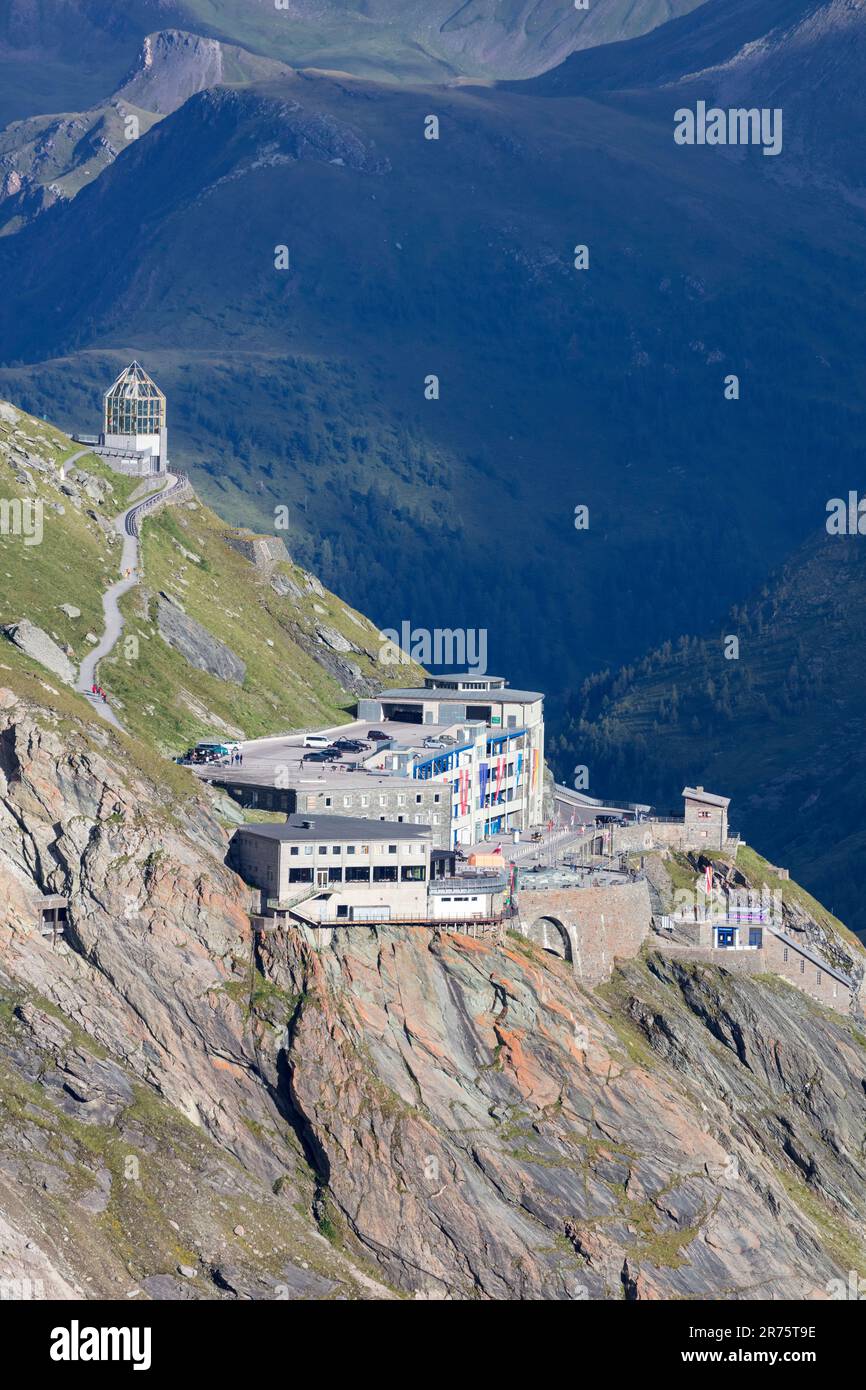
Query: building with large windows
point(134, 420)
point(479, 738)
point(343, 869)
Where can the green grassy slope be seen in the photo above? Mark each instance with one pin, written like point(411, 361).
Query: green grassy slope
point(157, 693)
point(285, 687)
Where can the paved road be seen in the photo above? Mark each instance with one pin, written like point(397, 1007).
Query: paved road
point(127, 525)
point(73, 458)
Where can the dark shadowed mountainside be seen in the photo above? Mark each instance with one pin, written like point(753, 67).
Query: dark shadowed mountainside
point(47, 158)
point(454, 258)
point(803, 57)
point(781, 728)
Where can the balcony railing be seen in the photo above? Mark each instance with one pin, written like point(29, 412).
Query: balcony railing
point(469, 883)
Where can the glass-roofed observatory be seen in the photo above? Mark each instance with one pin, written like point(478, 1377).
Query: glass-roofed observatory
point(134, 418)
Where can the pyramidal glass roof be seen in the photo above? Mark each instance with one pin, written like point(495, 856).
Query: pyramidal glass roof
point(134, 384)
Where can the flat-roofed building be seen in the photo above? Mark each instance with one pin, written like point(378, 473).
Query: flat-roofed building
point(488, 749)
point(333, 793)
point(334, 869)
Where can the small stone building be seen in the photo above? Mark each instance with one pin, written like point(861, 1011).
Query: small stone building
point(705, 819)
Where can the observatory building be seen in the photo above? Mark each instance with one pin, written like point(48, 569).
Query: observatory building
point(134, 436)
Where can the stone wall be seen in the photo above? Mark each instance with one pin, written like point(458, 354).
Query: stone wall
point(600, 924)
point(648, 835)
point(776, 957)
point(706, 825)
point(397, 800)
point(798, 970)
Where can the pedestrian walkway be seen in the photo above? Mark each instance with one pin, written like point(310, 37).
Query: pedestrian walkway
point(127, 526)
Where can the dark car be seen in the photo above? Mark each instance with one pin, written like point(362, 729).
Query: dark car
point(323, 755)
point(350, 745)
point(378, 735)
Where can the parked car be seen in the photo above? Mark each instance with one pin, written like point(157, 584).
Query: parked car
point(316, 741)
point(323, 755)
point(350, 745)
point(378, 736)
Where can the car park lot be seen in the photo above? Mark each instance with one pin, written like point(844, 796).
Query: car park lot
point(284, 757)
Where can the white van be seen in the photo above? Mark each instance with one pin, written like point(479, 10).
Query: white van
point(316, 741)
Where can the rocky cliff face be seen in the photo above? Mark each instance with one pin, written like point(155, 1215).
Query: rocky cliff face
point(187, 1115)
point(481, 1127)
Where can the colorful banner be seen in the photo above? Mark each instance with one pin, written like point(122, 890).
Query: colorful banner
point(483, 776)
point(519, 768)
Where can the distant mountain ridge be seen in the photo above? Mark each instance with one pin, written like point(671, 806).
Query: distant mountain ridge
point(306, 387)
point(806, 57)
point(46, 159)
point(82, 47)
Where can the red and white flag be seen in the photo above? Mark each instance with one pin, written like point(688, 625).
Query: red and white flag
point(709, 880)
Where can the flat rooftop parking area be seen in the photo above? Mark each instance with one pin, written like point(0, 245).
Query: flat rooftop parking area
point(283, 756)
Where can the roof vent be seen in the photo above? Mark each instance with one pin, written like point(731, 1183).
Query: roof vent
point(306, 825)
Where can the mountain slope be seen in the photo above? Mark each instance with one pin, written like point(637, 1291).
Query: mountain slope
point(304, 655)
point(780, 729)
point(411, 257)
point(805, 57)
point(48, 47)
point(46, 158)
point(189, 1111)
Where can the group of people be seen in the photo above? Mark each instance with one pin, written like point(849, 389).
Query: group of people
point(237, 757)
point(98, 692)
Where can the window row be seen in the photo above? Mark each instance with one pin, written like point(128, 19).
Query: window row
point(380, 873)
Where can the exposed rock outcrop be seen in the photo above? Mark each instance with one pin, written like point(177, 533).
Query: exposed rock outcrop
point(135, 1031)
point(459, 1113)
point(479, 1126)
point(193, 641)
point(37, 644)
point(262, 551)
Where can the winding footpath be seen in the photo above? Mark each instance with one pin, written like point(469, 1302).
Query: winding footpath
point(127, 525)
